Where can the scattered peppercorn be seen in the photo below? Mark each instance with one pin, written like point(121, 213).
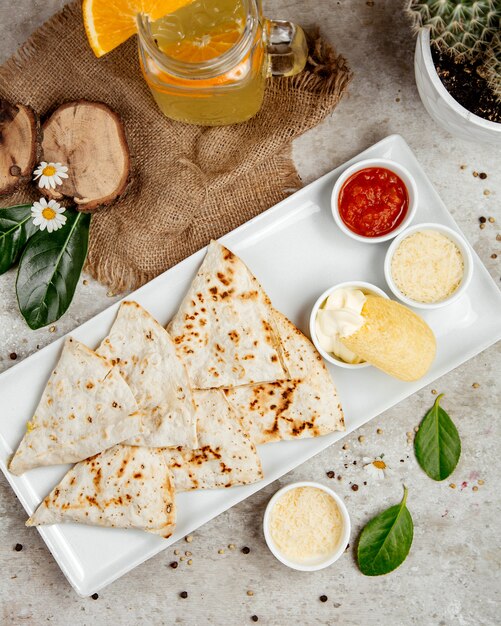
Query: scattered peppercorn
point(245, 550)
point(183, 594)
point(492, 220)
point(323, 598)
point(494, 256)
point(480, 481)
point(250, 593)
point(379, 431)
point(231, 546)
point(255, 618)
point(482, 226)
point(188, 553)
point(176, 552)
point(452, 485)
point(190, 561)
point(365, 482)
point(346, 446)
point(174, 564)
point(339, 477)
point(475, 488)
point(18, 547)
point(482, 175)
point(354, 487)
point(182, 558)
point(85, 281)
point(475, 174)
point(434, 392)
point(476, 385)
point(482, 219)
point(95, 596)
point(330, 474)
point(13, 356)
point(52, 329)
point(462, 167)
point(361, 439)
point(221, 551)
point(487, 192)
point(498, 237)
point(189, 538)
point(397, 99)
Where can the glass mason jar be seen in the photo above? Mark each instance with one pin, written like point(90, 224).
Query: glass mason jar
point(228, 88)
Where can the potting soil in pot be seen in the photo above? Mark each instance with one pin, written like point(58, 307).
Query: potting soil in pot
point(465, 84)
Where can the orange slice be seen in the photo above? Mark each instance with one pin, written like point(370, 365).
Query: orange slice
point(108, 23)
point(203, 48)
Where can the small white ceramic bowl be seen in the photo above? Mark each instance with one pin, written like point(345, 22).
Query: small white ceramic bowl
point(357, 284)
point(314, 565)
point(407, 179)
point(465, 253)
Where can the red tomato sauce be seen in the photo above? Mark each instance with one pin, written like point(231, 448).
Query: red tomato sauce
point(373, 202)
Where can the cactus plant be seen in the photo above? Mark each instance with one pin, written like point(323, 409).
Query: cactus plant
point(467, 29)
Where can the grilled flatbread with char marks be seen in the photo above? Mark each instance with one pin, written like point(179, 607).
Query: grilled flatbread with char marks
point(224, 329)
point(146, 357)
point(85, 408)
point(304, 406)
point(226, 455)
point(124, 487)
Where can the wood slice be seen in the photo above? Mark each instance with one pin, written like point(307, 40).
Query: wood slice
point(18, 144)
point(89, 138)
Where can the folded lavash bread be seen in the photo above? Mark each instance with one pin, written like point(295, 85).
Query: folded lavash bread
point(393, 339)
point(123, 487)
point(224, 330)
point(306, 405)
point(226, 456)
point(146, 357)
point(85, 408)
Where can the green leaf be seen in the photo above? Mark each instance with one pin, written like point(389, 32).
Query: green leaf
point(16, 227)
point(437, 444)
point(50, 268)
point(386, 540)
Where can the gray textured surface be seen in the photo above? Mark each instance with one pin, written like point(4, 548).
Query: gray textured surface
point(452, 573)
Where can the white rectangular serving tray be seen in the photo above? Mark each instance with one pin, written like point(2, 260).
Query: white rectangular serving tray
point(296, 251)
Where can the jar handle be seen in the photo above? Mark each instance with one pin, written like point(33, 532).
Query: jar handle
point(286, 47)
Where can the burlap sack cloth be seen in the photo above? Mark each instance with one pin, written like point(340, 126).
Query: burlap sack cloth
point(188, 183)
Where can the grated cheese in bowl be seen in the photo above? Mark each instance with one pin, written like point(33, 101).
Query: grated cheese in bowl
point(308, 527)
point(427, 266)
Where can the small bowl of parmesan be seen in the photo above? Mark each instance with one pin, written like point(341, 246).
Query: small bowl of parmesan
point(428, 266)
point(306, 526)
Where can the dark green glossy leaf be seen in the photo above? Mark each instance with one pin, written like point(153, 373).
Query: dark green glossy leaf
point(437, 444)
point(16, 227)
point(50, 268)
point(386, 540)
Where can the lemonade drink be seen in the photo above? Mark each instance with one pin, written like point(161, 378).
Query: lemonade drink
point(207, 65)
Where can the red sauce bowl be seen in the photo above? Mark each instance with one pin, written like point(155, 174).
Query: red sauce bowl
point(374, 200)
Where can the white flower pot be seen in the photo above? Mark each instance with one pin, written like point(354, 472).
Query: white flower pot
point(441, 105)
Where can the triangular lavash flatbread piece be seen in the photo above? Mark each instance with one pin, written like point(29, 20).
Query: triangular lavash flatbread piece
point(224, 329)
point(123, 487)
point(146, 357)
point(226, 457)
point(306, 405)
point(85, 408)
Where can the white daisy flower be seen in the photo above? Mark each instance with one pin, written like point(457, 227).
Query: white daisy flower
point(48, 215)
point(377, 468)
point(50, 174)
